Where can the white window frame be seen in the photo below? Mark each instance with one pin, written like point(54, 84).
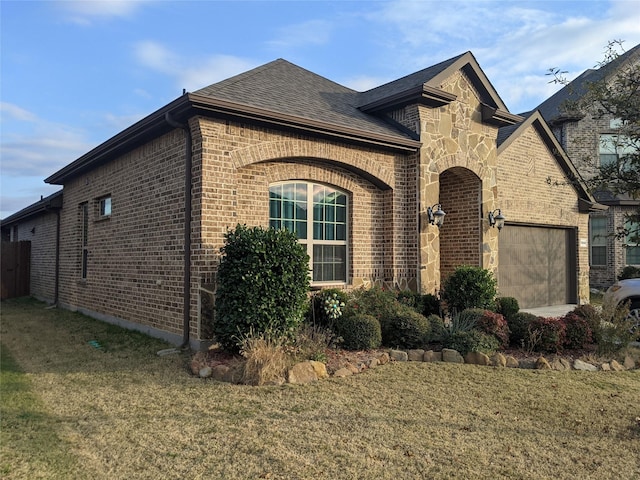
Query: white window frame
point(104, 207)
point(309, 242)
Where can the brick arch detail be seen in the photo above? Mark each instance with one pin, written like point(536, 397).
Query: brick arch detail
point(466, 162)
point(283, 171)
point(349, 159)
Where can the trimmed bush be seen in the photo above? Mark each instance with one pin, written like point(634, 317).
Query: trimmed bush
point(546, 334)
point(430, 305)
point(359, 332)
point(472, 341)
point(519, 328)
point(374, 301)
point(438, 329)
point(496, 325)
point(407, 329)
point(593, 318)
point(577, 331)
point(469, 287)
point(507, 306)
point(263, 280)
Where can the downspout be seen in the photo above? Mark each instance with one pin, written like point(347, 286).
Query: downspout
point(187, 226)
point(57, 280)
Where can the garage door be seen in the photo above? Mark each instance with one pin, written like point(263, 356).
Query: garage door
point(537, 265)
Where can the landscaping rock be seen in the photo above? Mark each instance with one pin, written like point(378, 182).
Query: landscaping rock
point(451, 356)
point(498, 360)
point(512, 362)
point(415, 355)
point(233, 374)
point(343, 372)
point(373, 363)
point(352, 367)
point(301, 373)
point(477, 358)
point(320, 369)
point(560, 364)
point(431, 356)
point(580, 365)
point(605, 367)
point(615, 366)
point(629, 362)
point(205, 372)
point(542, 364)
point(383, 359)
point(398, 355)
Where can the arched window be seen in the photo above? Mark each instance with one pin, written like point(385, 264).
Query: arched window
point(317, 214)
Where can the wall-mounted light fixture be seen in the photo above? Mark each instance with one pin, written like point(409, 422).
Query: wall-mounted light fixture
point(496, 220)
point(436, 215)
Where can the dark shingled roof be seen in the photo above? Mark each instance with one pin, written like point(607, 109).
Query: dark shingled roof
point(53, 201)
point(505, 132)
point(552, 108)
point(285, 88)
point(405, 83)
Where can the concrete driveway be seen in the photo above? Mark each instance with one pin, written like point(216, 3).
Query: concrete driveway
point(550, 311)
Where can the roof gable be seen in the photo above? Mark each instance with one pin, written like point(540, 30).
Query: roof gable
point(534, 119)
point(553, 108)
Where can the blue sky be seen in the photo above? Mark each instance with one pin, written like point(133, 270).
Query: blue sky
point(75, 73)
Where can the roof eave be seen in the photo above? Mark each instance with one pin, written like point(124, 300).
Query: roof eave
point(499, 117)
point(51, 203)
point(422, 94)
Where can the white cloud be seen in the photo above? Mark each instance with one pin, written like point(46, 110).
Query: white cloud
point(30, 193)
point(40, 148)
point(82, 12)
point(189, 73)
point(14, 112)
point(363, 83)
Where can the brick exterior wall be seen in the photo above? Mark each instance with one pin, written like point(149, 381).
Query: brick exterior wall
point(135, 259)
point(581, 142)
point(43, 253)
point(525, 196)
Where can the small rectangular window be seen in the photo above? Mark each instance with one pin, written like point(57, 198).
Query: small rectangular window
point(632, 243)
point(598, 238)
point(84, 238)
point(105, 207)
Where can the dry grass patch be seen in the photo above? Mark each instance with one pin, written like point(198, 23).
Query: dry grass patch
point(124, 412)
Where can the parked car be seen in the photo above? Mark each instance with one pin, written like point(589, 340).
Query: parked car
point(627, 291)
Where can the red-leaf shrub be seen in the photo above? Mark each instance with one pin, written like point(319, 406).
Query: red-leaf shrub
point(546, 334)
point(496, 325)
point(577, 331)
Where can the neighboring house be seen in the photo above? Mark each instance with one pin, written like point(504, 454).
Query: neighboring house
point(589, 141)
point(357, 175)
point(38, 224)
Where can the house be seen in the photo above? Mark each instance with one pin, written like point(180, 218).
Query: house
point(38, 224)
point(588, 139)
point(363, 178)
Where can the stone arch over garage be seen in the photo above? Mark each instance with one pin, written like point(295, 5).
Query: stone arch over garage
point(366, 166)
point(461, 234)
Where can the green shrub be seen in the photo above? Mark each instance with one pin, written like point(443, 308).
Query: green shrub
point(407, 329)
point(593, 317)
point(410, 299)
point(615, 329)
point(507, 306)
point(546, 334)
point(438, 328)
point(374, 301)
point(359, 332)
point(263, 280)
point(577, 331)
point(327, 306)
point(469, 287)
point(464, 321)
point(430, 305)
point(494, 324)
point(519, 327)
point(472, 341)
point(629, 272)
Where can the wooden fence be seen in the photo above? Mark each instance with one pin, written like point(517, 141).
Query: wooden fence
point(15, 269)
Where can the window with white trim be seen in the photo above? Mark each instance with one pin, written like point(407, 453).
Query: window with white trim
point(105, 207)
point(317, 214)
point(598, 240)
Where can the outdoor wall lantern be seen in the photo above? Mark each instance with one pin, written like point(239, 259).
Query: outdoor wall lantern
point(496, 220)
point(436, 215)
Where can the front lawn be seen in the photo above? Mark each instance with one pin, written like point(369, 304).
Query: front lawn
point(83, 399)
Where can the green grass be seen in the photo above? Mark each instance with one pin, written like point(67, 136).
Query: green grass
point(75, 411)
